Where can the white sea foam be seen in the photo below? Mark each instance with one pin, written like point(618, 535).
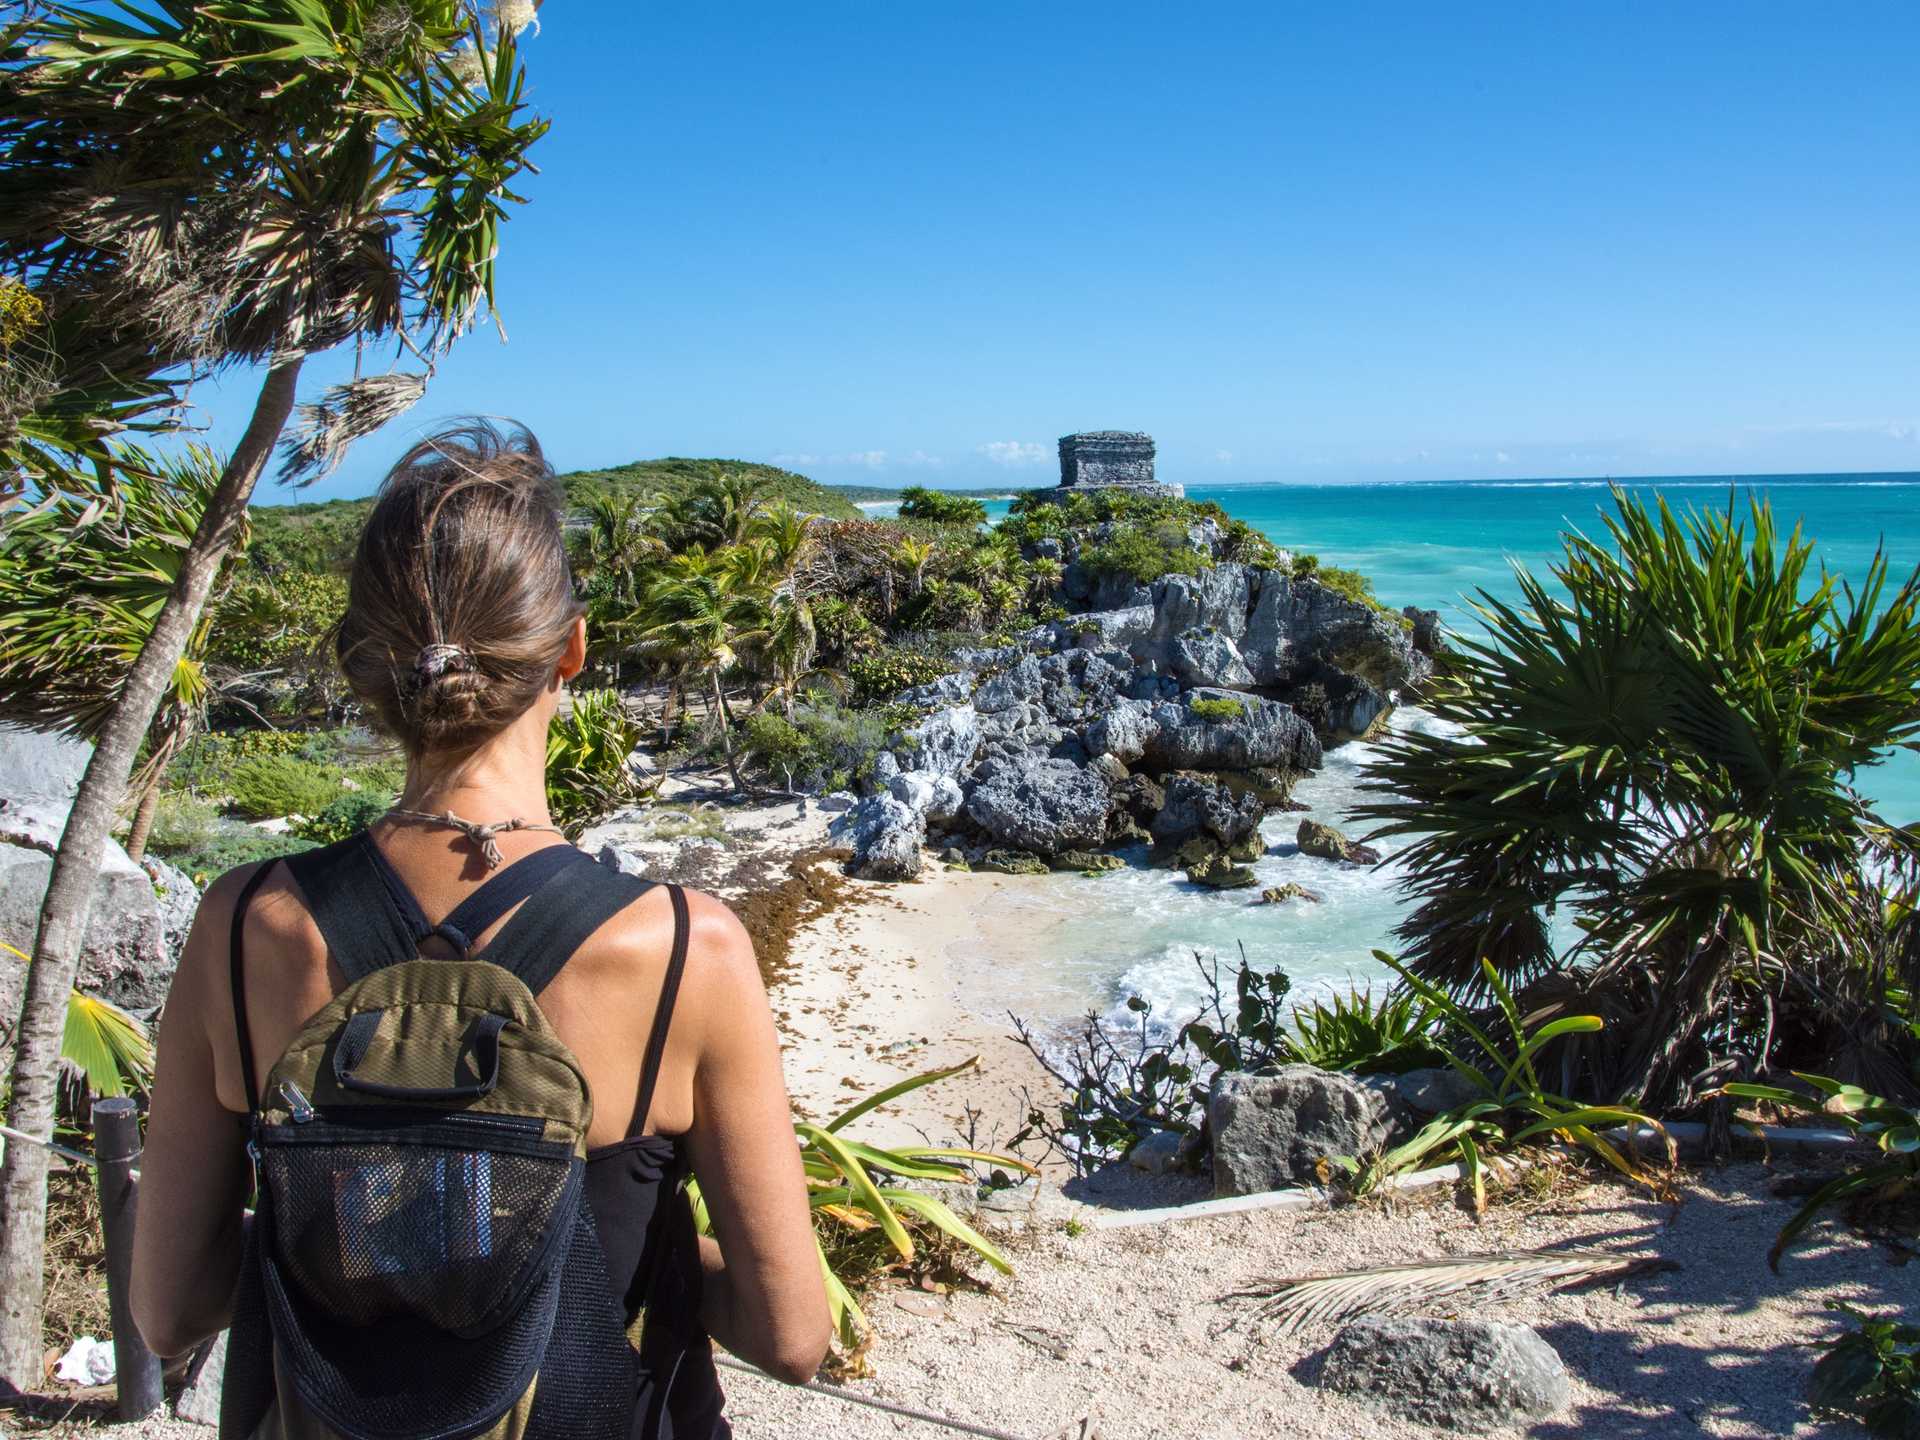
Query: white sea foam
point(1095, 942)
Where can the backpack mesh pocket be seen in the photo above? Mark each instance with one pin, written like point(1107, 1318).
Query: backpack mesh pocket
point(448, 1222)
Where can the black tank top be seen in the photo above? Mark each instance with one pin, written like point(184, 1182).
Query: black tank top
point(635, 1188)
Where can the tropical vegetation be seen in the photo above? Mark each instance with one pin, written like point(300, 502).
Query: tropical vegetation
point(1642, 807)
point(186, 188)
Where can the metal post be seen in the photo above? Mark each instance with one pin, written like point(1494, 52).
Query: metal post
point(116, 1148)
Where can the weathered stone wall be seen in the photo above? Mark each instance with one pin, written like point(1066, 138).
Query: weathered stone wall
point(1106, 457)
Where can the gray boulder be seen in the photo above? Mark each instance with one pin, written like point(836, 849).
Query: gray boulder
point(1265, 733)
point(1469, 1375)
point(886, 836)
point(1156, 1153)
point(930, 795)
point(1427, 636)
point(1106, 629)
point(1327, 843)
point(1195, 807)
point(1124, 732)
point(39, 766)
point(1044, 806)
point(1208, 657)
point(1011, 688)
point(134, 934)
point(947, 690)
point(945, 742)
point(1215, 599)
point(1357, 710)
point(1271, 1131)
point(1436, 1090)
point(1300, 626)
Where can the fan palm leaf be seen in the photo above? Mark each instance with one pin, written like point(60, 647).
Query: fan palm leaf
point(1307, 1300)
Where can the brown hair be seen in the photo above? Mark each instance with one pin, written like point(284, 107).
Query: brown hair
point(461, 600)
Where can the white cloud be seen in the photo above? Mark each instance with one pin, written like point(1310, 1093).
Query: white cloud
point(1501, 457)
point(1225, 457)
point(859, 459)
point(1015, 452)
point(1892, 429)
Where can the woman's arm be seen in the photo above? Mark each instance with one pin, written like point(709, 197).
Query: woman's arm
point(193, 1176)
point(764, 1297)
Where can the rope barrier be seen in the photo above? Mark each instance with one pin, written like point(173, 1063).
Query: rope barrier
point(71, 1154)
point(928, 1417)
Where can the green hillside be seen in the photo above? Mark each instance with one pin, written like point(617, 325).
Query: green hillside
point(320, 535)
point(674, 474)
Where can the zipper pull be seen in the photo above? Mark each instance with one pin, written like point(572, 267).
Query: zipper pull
point(297, 1104)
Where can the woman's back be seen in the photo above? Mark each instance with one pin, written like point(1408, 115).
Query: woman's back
point(460, 632)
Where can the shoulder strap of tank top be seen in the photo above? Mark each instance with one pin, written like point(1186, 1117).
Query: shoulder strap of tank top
point(237, 982)
point(663, 1012)
point(542, 935)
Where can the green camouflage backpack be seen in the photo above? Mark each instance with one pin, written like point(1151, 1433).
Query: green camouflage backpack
point(422, 1264)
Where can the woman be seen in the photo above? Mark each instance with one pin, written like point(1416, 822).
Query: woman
point(461, 630)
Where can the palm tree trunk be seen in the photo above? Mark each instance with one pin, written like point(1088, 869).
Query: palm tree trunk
point(143, 820)
point(76, 867)
point(726, 733)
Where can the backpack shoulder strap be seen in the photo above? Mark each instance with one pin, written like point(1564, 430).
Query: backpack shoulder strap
point(351, 894)
point(504, 890)
point(663, 1012)
point(543, 934)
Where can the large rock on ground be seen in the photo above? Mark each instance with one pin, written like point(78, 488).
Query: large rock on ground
point(38, 766)
point(1208, 657)
point(1195, 807)
point(1301, 626)
point(1124, 732)
point(1468, 1375)
point(1264, 733)
point(1271, 1131)
point(1327, 843)
point(944, 743)
point(1217, 598)
point(133, 936)
point(886, 835)
point(1044, 806)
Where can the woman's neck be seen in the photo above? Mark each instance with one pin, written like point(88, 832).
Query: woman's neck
point(504, 778)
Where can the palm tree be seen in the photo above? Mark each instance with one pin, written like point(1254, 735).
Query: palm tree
point(696, 618)
point(186, 187)
point(790, 644)
point(785, 534)
point(911, 558)
point(77, 602)
point(1666, 754)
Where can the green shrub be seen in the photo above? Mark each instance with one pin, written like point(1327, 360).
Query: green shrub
point(1214, 711)
point(587, 770)
point(206, 763)
point(1350, 583)
point(265, 623)
point(351, 812)
point(891, 669)
point(235, 845)
point(917, 502)
point(1247, 546)
point(775, 743)
point(1354, 1032)
point(266, 787)
point(1871, 1373)
point(1146, 553)
point(182, 822)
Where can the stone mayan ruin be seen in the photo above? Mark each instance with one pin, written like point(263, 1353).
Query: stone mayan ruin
point(1109, 460)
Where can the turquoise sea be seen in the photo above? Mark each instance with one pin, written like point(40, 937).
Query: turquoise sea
point(1425, 544)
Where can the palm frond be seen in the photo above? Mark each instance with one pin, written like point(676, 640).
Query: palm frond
point(322, 431)
point(1397, 1289)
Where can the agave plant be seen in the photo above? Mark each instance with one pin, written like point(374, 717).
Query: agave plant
point(1662, 747)
point(851, 1186)
point(1892, 1128)
point(587, 758)
point(1514, 1107)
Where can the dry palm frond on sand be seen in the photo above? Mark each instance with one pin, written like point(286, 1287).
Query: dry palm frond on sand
point(1395, 1289)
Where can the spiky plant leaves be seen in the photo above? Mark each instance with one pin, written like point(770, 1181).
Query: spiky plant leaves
point(107, 1046)
point(1663, 741)
point(1397, 1289)
point(323, 431)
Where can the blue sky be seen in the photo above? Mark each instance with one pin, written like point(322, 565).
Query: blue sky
point(905, 244)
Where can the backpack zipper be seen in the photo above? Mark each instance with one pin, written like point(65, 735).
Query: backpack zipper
point(298, 1106)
